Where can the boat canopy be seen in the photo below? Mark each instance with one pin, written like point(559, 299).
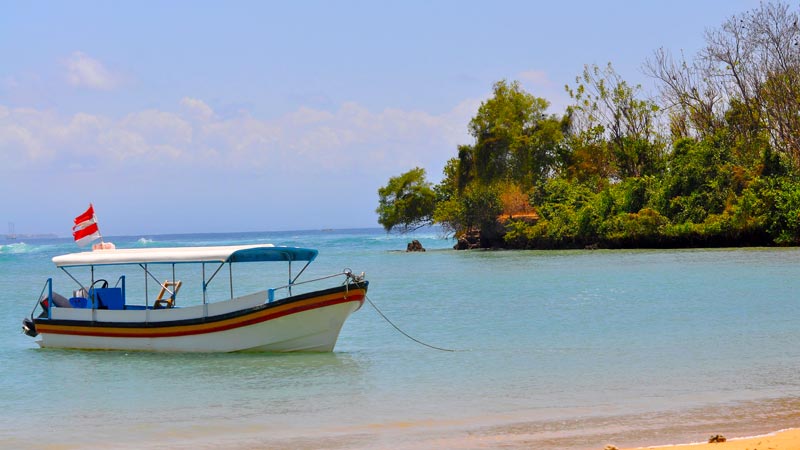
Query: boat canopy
point(173, 255)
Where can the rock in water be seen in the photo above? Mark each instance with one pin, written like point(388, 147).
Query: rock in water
point(415, 246)
point(468, 241)
point(716, 438)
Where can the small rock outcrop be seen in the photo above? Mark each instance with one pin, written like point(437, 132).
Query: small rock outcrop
point(415, 246)
point(468, 241)
point(716, 438)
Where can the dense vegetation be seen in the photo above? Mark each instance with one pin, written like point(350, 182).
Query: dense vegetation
point(713, 161)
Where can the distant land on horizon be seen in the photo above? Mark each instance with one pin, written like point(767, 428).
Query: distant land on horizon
point(15, 237)
point(19, 236)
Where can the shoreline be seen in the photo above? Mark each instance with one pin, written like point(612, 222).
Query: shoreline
point(786, 439)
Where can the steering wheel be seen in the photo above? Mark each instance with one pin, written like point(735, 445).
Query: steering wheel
point(100, 280)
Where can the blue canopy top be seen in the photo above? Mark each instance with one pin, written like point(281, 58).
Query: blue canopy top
point(273, 254)
point(174, 255)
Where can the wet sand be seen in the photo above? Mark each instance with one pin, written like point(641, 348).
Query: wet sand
point(781, 440)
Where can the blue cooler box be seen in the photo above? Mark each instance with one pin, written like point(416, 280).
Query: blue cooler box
point(108, 298)
point(80, 302)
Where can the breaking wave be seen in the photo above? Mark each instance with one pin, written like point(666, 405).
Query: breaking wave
point(17, 247)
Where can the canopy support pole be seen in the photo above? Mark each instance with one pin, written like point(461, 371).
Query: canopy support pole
point(74, 279)
point(301, 272)
point(147, 272)
point(205, 285)
point(212, 275)
point(92, 294)
point(146, 296)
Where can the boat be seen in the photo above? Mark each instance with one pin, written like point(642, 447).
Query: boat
point(12, 234)
point(274, 319)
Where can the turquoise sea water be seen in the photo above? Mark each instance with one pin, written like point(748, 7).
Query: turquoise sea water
point(562, 350)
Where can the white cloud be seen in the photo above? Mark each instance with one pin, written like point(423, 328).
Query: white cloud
point(84, 71)
point(122, 144)
point(305, 115)
point(186, 161)
point(12, 137)
point(159, 127)
point(314, 141)
point(197, 109)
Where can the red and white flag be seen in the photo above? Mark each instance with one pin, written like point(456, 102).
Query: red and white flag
point(87, 215)
point(85, 230)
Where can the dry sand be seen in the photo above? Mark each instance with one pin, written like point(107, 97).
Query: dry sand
point(781, 440)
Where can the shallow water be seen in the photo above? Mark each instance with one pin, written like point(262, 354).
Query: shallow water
point(570, 350)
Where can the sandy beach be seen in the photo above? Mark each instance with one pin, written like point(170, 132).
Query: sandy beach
point(781, 440)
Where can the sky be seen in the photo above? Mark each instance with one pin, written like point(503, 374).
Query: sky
point(195, 116)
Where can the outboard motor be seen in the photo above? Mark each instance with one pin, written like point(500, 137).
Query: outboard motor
point(29, 328)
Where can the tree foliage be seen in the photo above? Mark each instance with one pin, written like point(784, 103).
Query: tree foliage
point(514, 138)
point(609, 111)
point(751, 64)
point(713, 160)
point(406, 202)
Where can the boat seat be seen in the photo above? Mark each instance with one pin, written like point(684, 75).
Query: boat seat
point(168, 302)
point(58, 300)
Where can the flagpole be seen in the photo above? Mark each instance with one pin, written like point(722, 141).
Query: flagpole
point(98, 228)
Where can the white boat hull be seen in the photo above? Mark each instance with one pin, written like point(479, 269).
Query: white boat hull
point(311, 323)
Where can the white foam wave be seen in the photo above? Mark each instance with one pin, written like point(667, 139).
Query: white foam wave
point(144, 241)
point(17, 247)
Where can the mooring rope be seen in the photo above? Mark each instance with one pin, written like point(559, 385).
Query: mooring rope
point(403, 332)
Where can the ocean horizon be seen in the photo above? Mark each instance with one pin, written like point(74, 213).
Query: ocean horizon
point(568, 349)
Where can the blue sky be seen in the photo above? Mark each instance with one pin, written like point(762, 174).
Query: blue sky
point(254, 116)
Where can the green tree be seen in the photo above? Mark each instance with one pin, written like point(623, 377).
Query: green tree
point(407, 202)
point(607, 107)
point(516, 143)
point(514, 138)
point(447, 211)
point(700, 181)
point(720, 167)
point(481, 204)
point(750, 62)
point(476, 208)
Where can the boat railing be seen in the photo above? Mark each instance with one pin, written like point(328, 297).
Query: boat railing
point(121, 280)
point(48, 286)
point(347, 273)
